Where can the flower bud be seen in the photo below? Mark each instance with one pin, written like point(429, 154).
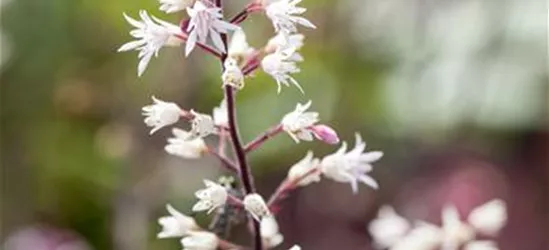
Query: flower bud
point(325, 134)
point(256, 206)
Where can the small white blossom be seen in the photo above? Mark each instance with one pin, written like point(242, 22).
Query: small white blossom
point(181, 146)
point(201, 126)
point(422, 237)
point(455, 232)
point(171, 6)
point(206, 21)
point(220, 115)
point(295, 247)
point(212, 197)
point(489, 218)
point(280, 65)
point(239, 49)
point(351, 167)
point(298, 122)
point(232, 75)
point(481, 245)
point(175, 225)
point(388, 228)
point(305, 166)
point(255, 205)
point(161, 114)
point(152, 34)
point(283, 41)
point(270, 232)
point(283, 15)
point(201, 240)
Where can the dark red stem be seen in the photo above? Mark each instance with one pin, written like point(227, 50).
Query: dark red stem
point(244, 172)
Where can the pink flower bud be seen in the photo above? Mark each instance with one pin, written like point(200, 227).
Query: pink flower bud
point(325, 134)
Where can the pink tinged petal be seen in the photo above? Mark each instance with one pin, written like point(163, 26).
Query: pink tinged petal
point(368, 180)
point(325, 134)
point(218, 43)
point(191, 42)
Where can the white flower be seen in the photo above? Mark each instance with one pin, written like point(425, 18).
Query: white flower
point(481, 245)
point(256, 206)
point(232, 75)
point(175, 225)
point(351, 167)
point(455, 232)
point(489, 218)
point(201, 126)
point(181, 146)
point(171, 6)
point(239, 49)
point(295, 247)
point(206, 21)
point(423, 237)
point(298, 122)
point(201, 240)
point(305, 166)
point(280, 65)
point(152, 34)
point(270, 232)
point(283, 41)
point(283, 15)
point(212, 197)
point(388, 228)
point(161, 114)
point(220, 115)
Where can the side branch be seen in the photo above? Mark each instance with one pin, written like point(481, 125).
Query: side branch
point(286, 186)
point(224, 160)
point(258, 141)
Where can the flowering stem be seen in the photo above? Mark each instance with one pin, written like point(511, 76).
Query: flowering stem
point(285, 187)
point(224, 160)
point(244, 172)
point(258, 141)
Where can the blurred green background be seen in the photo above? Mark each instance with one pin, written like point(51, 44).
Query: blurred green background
point(454, 92)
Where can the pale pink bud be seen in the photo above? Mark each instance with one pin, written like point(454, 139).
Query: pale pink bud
point(325, 134)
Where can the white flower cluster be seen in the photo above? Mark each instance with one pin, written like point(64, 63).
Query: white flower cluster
point(186, 144)
point(206, 28)
point(346, 167)
point(206, 25)
point(391, 231)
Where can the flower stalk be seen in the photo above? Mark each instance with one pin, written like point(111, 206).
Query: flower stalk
point(258, 141)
